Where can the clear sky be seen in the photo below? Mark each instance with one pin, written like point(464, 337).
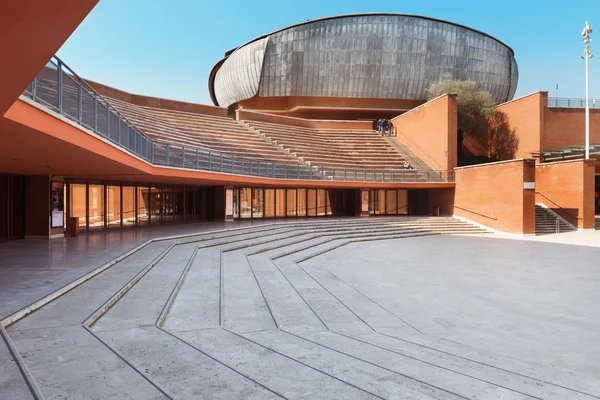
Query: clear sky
point(166, 48)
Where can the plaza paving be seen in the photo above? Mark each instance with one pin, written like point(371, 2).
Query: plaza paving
point(383, 308)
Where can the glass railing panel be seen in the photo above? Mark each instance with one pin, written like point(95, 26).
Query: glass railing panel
point(88, 109)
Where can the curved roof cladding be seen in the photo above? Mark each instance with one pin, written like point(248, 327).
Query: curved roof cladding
point(383, 56)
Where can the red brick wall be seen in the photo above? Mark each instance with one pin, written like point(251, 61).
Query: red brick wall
point(570, 185)
point(430, 131)
point(493, 195)
point(526, 115)
point(308, 123)
point(566, 127)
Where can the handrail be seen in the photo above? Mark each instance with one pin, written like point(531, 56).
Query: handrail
point(567, 102)
point(403, 135)
point(62, 90)
point(558, 205)
point(475, 212)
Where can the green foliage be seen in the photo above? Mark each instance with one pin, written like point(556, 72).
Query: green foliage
point(474, 105)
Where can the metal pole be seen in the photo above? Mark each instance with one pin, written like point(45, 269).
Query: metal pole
point(587, 30)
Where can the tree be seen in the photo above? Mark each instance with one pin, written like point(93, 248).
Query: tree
point(502, 139)
point(474, 105)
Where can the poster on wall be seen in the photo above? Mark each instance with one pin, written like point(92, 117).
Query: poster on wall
point(229, 202)
point(365, 201)
point(58, 204)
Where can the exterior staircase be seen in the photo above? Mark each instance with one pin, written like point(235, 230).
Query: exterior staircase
point(597, 223)
point(547, 222)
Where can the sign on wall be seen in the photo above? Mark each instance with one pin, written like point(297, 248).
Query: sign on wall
point(58, 204)
point(228, 202)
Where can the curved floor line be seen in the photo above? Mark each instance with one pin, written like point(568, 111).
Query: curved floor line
point(302, 297)
point(335, 297)
point(370, 299)
point(115, 352)
point(439, 366)
point(378, 366)
point(304, 364)
point(261, 291)
point(489, 365)
point(222, 363)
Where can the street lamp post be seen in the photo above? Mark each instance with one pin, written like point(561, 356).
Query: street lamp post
point(587, 54)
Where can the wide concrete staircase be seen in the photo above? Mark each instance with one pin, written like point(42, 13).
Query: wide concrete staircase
point(332, 147)
point(547, 222)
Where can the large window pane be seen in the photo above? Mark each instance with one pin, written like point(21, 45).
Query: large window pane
point(167, 198)
point(143, 201)
point(245, 202)
point(390, 202)
point(257, 203)
point(77, 203)
point(189, 203)
point(291, 203)
point(301, 202)
point(96, 206)
point(402, 202)
point(280, 203)
point(113, 206)
point(269, 203)
point(321, 202)
point(128, 206)
point(236, 203)
point(311, 208)
point(155, 205)
point(178, 203)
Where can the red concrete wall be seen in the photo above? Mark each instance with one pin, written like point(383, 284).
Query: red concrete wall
point(566, 127)
point(147, 101)
point(307, 123)
point(568, 185)
point(493, 195)
point(430, 131)
point(526, 115)
point(37, 205)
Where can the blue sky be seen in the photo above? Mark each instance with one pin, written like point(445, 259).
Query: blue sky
point(166, 48)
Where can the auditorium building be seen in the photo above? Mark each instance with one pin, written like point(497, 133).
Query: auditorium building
point(290, 134)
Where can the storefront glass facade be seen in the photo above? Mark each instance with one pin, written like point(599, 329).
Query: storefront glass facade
point(117, 205)
point(285, 203)
point(388, 202)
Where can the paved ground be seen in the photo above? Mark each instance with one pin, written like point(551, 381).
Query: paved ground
point(398, 312)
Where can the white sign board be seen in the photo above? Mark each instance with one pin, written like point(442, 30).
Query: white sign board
point(529, 185)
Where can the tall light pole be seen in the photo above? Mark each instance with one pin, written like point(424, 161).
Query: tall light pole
point(587, 54)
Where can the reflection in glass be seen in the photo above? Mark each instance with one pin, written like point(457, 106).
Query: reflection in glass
point(143, 200)
point(128, 206)
point(311, 207)
point(96, 206)
point(269, 203)
point(302, 202)
point(77, 203)
point(113, 206)
point(291, 203)
point(155, 205)
point(245, 202)
point(280, 203)
point(257, 202)
point(390, 201)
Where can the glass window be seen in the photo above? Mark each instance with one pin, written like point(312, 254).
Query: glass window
point(402, 201)
point(236, 203)
point(269, 203)
point(280, 203)
point(390, 202)
point(177, 203)
point(167, 203)
point(113, 206)
point(245, 202)
point(77, 203)
point(155, 205)
point(311, 207)
point(302, 202)
point(321, 203)
point(189, 203)
point(96, 206)
point(128, 206)
point(257, 203)
point(291, 203)
point(143, 202)
point(380, 206)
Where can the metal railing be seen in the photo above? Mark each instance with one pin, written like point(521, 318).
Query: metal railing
point(62, 90)
point(572, 103)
